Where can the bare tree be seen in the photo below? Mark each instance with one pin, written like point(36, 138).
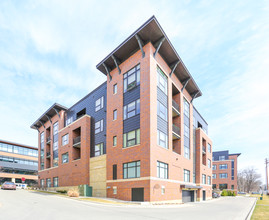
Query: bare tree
point(249, 180)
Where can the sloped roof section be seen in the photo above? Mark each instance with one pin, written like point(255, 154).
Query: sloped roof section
point(151, 31)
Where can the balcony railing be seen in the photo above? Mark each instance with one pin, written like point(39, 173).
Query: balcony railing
point(48, 155)
point(204, 149)
point(175, 108)
point(176, 132)
point(175, 105)
point(48, 140)
point(76, 141)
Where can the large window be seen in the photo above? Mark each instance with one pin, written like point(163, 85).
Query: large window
point(162, 110)
point(48, 182)
point(99, 149)
point(65, 139)
point(18, 160)
point(65, 158)
point(162, 170)
point(222, 186)
point(99, 126)
point(209, 180)
point(209, 148)
point(42, 183)
point(162, 139)
point(55, 143)
point(221, 157)
point(131, 138)
point(131, 79)
point(223, 166)
point(209, 163)
point(186, 176)
point(186, 129)
point(131, 170)
point(214, 176)
point(55, 182)
point(203, 179)
point(162, 81)
point(223, 175)
point(214, 167)
point(131, 109)
point(99, 104)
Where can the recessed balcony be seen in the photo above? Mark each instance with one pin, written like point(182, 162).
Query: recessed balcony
point(204, 150)
point(48, 155)
point(175, 108)
point(176, 132)
point(48, 140)
point(76, 142)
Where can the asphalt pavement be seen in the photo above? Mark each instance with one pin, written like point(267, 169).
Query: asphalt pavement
point(28, 205)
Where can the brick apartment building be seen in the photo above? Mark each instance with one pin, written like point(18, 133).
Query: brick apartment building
point(224, 170)
point(137, 136)
point(18, 161)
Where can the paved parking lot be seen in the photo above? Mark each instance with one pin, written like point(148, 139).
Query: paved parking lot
point(21, 204)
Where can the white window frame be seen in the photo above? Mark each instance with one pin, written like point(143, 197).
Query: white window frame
point(99, 104)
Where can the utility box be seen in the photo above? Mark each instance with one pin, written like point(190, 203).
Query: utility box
point(85, 190)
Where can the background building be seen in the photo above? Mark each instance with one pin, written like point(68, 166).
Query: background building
point(18, 161)
point(225, 170)
point(137, 136)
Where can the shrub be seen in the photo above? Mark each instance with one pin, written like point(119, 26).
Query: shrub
point(73, 192)
point(224, 193)
point(61, 191)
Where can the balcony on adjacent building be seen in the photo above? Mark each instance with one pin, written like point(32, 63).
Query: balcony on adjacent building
point(176, 132)
point(175, 107)
point(76, 142)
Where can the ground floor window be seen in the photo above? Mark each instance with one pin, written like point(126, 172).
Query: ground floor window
point(209, 180)
point(114, 190)
point(162, 170)
point(222, 186)
point(232, 187)
point(214, 186)
point(42, 183)
point(131, 170)
point(48, 182)
point(204, 179)
point(55, 181)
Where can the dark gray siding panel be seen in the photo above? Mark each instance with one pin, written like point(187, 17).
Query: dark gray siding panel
point(131, 124)
point(220, 153)
point(88, 102)
point(131, 95)
point(162, 125)
point(200, 119)
point(161, 97)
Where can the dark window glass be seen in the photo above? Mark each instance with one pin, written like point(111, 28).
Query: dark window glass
point(131, 79)
point(131, 138)
point(162, 170)
point(114, 171)
point(131, 109)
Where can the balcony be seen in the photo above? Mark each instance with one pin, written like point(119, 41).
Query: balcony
point(48, 155)
point(176, 132)
point(76, 142)
point(204, 150)
point(175, 107)
point(48, 140)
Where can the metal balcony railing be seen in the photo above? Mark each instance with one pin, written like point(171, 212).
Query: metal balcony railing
point(176, 130)
point(76, 140)
point(204, 149)
point(48, 154)
point(175, 105)
point(48, 139)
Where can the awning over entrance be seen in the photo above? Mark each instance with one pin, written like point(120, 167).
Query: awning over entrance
point(190, 187)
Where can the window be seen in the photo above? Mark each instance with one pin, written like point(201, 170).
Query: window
point(209, 148)
point(232, 187)
point(203, 179)
point(131, 109)
point(186, 176)
point(222, 186)
point(131, 138)
point(214, 167)
point(65, 158)
point(209, 163)
point(115, 114)
point(223, 166)
point(114, 171)
point(163, 190)
point(162, 110)
point(162, 170)
point(214, 186)
point(55, 182)
point(42, 166)
point(221, 157)
point(115, 141)
point(48, 183)
point(99, 104)
point(65, 139)
point(55, 128)
point(186, 108)
point(99, 149)
point(114, 190)
point(115, 89)
point(162, 81)
point(186, 152)
point(69, 121)
point(214, 176)
point(99, 126)
point(131, 79)
point(209, 180)
point(162, 139)
point(131, 170)
point(223, 175)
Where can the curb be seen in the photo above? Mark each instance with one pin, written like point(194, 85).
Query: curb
point(251, 210)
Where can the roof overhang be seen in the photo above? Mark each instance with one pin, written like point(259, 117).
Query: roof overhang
point(238, 154)
point(151, 31)
point(53, 110)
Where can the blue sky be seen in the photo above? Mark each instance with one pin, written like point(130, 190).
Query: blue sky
point(49, 50)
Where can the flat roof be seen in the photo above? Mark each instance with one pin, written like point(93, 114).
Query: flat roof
point(48, 114)
point(151, 31)
point(17, 144)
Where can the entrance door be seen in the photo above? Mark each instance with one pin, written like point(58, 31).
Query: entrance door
point(187, 196)
point(138, 194)
point(204, 196)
